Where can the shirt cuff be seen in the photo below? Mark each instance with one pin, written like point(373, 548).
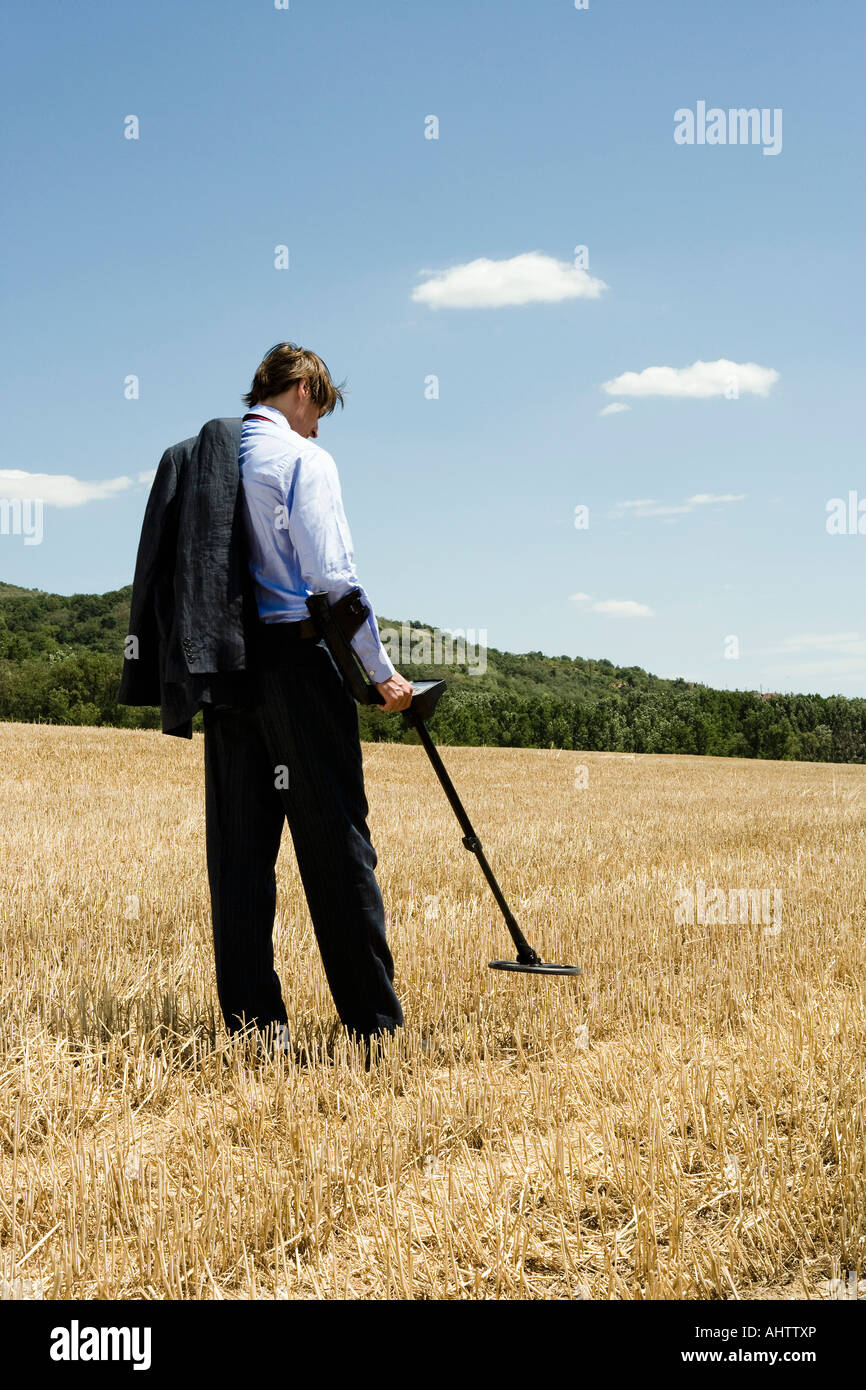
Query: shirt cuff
point(372, 654)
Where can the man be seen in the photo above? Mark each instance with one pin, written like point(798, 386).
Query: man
point(281, 730)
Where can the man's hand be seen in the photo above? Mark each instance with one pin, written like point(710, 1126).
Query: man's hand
point(397, 692)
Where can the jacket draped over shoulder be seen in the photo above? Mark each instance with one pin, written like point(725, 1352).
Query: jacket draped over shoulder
point(192, 595)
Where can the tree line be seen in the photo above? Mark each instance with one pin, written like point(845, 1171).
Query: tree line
point(65, 687)
point(61, 657)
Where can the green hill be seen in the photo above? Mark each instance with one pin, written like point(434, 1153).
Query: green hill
point(61, 656)
point(42, 625)
point(36, 624)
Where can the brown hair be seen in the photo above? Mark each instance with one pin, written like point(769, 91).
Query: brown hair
point(287, 363)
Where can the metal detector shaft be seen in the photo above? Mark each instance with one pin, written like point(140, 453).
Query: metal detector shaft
point(336, 624)
point(525, 952)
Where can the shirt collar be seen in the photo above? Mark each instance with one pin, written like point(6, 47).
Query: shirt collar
point(272, 414)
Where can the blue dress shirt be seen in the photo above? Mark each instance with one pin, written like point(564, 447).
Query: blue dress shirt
point(299, 540)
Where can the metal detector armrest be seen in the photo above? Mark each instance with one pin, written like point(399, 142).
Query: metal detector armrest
point(337, 638)
point(336, 624)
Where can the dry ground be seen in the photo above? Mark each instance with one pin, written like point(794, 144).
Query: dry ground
point(685, 1121)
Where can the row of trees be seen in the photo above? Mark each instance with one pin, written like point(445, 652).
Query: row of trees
point(722, 723)
point(81, 688)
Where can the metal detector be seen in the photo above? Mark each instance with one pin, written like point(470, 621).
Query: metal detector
point(336, 625)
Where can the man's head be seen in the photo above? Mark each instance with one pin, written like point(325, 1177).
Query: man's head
point(296, 382)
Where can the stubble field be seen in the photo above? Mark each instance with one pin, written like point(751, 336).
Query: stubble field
point(684, 1121)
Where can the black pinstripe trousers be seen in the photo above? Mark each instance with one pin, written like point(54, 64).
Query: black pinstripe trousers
point(293, 753)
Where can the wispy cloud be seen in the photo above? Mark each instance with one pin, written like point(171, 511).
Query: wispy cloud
point(61, 489)
point(531, 278)
point(700, 381)
point(648, 506)
point(832, 653)
point(701, 499)
point(615, 408)
point(835, 666)
point(850, 643)
point(614, 607)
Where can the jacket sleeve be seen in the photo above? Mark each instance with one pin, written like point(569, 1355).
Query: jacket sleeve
point(151, 588)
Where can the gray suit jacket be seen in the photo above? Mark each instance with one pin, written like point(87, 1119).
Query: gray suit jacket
point(193, 601)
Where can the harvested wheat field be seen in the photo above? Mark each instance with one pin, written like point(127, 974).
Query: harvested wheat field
point(684, 1121)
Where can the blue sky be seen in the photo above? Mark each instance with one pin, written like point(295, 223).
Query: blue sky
point(305, 127)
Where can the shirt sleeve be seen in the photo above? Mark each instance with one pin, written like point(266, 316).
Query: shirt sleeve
point(319, 533)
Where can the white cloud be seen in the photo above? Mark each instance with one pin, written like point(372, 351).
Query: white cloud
point(623, 608)
point(850, 643)
point(700, 499)
point(615, 408)
point(647, 509)
point(832, 653)
point(836, 666)
point(648, 506)
point(59, 489)
point(615, 607)
point(700, 381)
point(531, 278)
point(147, 476)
